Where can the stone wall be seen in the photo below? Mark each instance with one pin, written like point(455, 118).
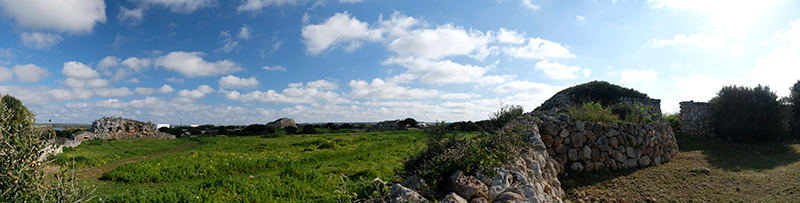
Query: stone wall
point(695, 119)
point(121, 128)
point(587, 146)
point(653, 104)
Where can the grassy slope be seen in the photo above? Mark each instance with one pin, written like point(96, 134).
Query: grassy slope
point(703, 171)
point(296, 170)
point(101, 152)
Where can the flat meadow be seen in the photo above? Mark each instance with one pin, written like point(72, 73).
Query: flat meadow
point(329, 167)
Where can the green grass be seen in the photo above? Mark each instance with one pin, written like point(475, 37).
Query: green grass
point(703, 171)
point(294, 168)
point(99, 152)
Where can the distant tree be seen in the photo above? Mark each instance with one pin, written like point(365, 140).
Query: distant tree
point(464, 126)
point(290, 130)
point(255, 129)
point(309, 129)
point(195, 131)
point(270, 130)
point(164, 130)
point(222, 130)
point(409, 122)
point(794, 115)
point(347, 126)
point(748, 114)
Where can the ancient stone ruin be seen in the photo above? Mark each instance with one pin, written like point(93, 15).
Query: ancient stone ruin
point(121, 128)
point(696, 119)
point(282, 123)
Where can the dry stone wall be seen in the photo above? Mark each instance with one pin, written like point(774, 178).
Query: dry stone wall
point(121, 128)
point(696, 119)
point(595, 146)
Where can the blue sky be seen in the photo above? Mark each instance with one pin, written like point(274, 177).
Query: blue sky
point(253, 61)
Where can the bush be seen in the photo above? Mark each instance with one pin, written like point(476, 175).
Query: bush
point(464, 126)
point(347, 126)
point(748, 114)
point(290, 130)
point(503, 116)
point(673, 121)
point(633, 113)
point(309, 129)
point(592, 112)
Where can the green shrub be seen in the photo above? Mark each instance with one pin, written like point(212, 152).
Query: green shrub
point(503, 116)
point(673, 120)
point(748, 114)
point(794, 114)
point(605, 93)
point(592, 112)
point(633, 113)
point(290, 130)
point(309, 129)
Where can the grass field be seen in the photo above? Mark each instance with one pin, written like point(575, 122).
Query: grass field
point(296, 168)
point(100, 152)
point(703, 171)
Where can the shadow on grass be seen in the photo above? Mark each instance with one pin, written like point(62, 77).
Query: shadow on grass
point(580, 179)
point(738, 157)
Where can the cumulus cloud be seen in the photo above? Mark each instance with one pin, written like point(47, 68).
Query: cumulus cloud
point(518, 87)
point(180, 6)
point(192, 64)
point(632, 76)
point(510, 36)
point(113, 92)
point(234, 82)
point(528, 4)
point(30, 72)
point(134, 80)
point(453, 96)
point(297, 93)
point(74, 16)
point(42, 95)
point(779, 68)
point(557, 71)
point(108, 61)
point(244, 32)
point(539, 49)
point(734, 17)
point(148, 91)
point(6, 74)
point(77, 70)
point(137, 64)
point(256, 5)
point(340, 28)
point(192, 95)
point(174, 79)
point(350, 1)
point(380, 89)
point(439, 72)
point(701, 40)
point(446, 40)
point(230, 44)
point(38, 40)
point(274, 68)
point(130, 16)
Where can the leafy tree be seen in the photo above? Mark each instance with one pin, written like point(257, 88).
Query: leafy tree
point(347, 126)
point(794, 115)
point(309, 129)
point(195, 131)
point(270, 130)
point(222, 130)
point(409, 122)
point(748, 114)
point(255, 129)
point(290, 130)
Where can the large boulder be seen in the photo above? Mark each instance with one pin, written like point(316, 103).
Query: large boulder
point(282, 123)
point(399, 194)
point(122, 128)
point(388, 126)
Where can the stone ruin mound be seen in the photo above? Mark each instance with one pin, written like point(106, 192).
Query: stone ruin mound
point(122, 128)
point(282, 123)
point(388, 126)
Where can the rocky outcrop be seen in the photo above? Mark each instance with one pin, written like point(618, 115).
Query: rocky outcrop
point(121, 128)
point(282, 123)
point(388, 126)
point(400, 194)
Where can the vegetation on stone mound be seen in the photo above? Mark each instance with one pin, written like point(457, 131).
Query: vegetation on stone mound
point(748, 114)
point(448, 151)
point(618, 113)
point(600, 91)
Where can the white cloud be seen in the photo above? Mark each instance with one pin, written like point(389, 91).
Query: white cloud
point(519, 87)
point(74, 16)
point(191, 64)
point(137, 64)
point(380, 89)
point(38, 40)
point(77, 70)
point(306, 18)
point(557, 71)
point(539, 49)
point(587, 72)
point(234, 82)
point(632, 76)
point(276, 46)
point(134, 80)
point(322, 85)
point(528, 4)
point(274, 68)
point(297, 93)
point(701, 40)
point(779, 69)
point(8, 53)
point(453, 96)
point(736, 49)
point(108, 61)
point(697, 87)
point(174, 79)
point(439, 72)
point(97, 82)
point(200, 92)
point(6, 74)
point(30, 72)
point(42, 95)
point(230, 45)
point(181, 6)
point(734, 17)
point(580, 18)
point(165, 89)
point(446, 40)
point(113, 92)
point(510, 36)
point(350, 1)
point(244, 33)
point(131, 16)
point(339, 28)
point(144, 91)
point(256, 5)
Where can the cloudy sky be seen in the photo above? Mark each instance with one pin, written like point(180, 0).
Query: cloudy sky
point(253, 61)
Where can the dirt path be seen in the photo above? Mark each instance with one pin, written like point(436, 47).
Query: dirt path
point(98, 171)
